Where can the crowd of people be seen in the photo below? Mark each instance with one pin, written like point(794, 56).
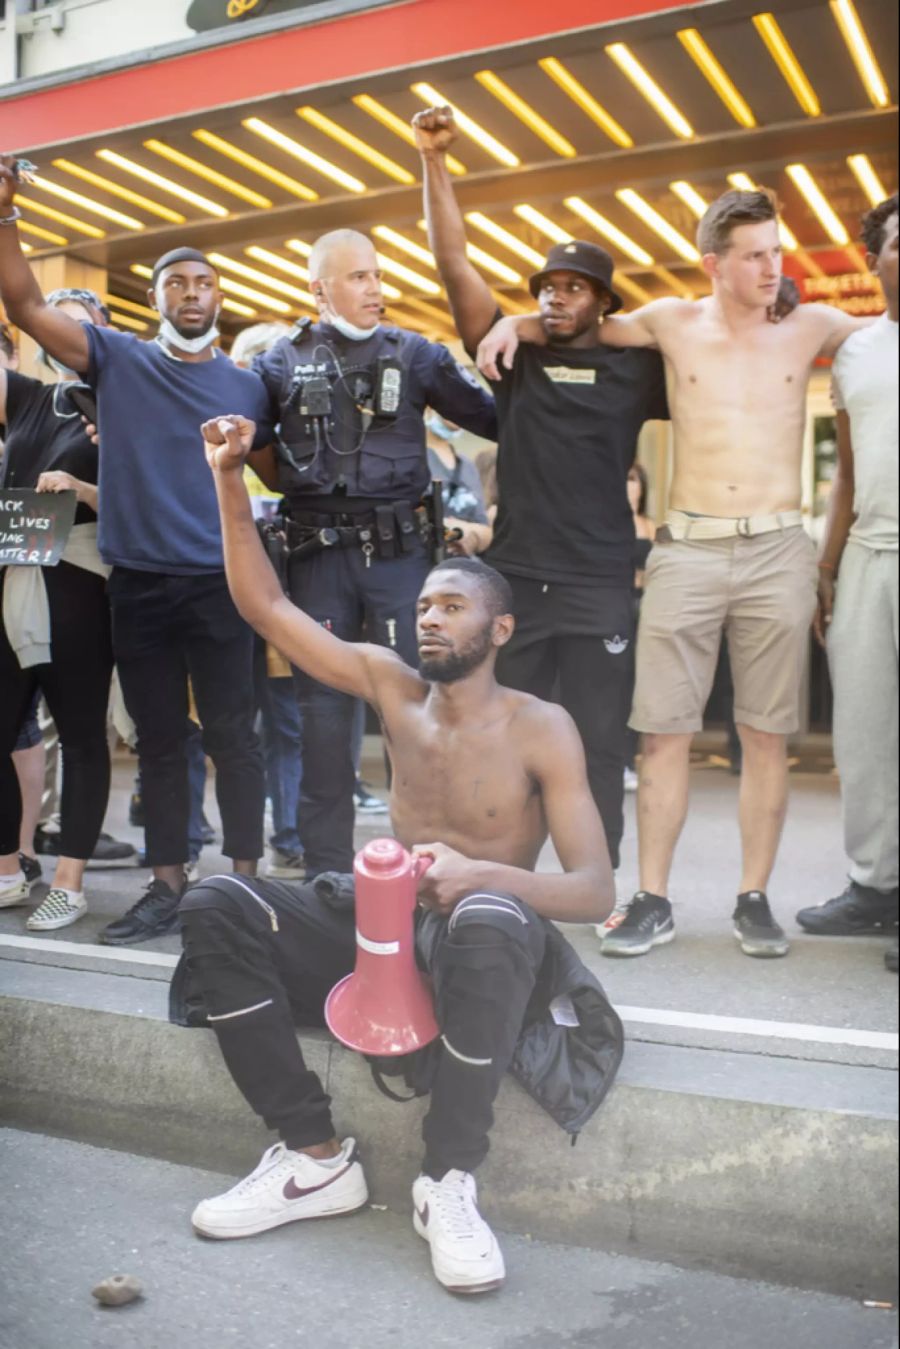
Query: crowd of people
point(511, 643)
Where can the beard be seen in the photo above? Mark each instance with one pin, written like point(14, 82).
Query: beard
point(457, 665)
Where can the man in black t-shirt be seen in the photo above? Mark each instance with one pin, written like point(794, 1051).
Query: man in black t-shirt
point(569, 414)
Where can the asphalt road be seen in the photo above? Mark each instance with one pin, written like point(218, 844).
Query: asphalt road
point(72, 1215)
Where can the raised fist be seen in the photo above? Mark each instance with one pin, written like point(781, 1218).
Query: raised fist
point(8, 184)
point(435, 130)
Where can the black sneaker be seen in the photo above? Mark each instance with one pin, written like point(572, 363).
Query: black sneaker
point(858, 912)
point(31, 867)
point(154, 915)
point(647, 923)
point(110, 853)
point(756, 929)
point(366, 802)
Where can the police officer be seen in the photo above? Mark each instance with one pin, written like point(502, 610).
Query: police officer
point(353, 467)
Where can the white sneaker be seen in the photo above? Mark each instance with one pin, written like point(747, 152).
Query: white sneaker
point(14, 890)
point(465, 1254)
point(61, 908)
point(285, 1187)
point(632, 781)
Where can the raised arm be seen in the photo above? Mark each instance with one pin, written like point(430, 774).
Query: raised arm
point(835, 325)
point(586, 892)
point(474, 307)
point(361, 670)
point(58, 333)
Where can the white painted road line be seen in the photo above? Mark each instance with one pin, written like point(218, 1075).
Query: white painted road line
point(85, 950)
point(774, 1030)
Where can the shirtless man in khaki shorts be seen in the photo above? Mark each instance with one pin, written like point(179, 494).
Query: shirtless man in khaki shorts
point(733, 556)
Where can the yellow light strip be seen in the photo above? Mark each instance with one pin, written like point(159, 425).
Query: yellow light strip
point(107, 185)
point(625, 283)
point(544, 224)
point(400, 128)
point(273, 283)
point(857, 40)
point(132, 307)
point(821, 208)
point(408, 321)
point(857, 258)
point(234, 307)
point(255, 165)
point(248, 293)
point(140, 270)
point(493, 265)
point(641, 208)
point(164, 184)
point(26, 247)
point(527, 114)
point(308, 157)
point(434, 99)
point(92, 231)
point(586, 101)
point(691, 198)
point(868, 179)
point(782, 54)
point(408, 246)
point(87, 204)
point(356, 146)
point(123, 321)
point(504, 237)
point(279, 263)
point(700, 53)
point(609, 231)
point(40, 233)
point(646, 84)
point(675, 283)
point(209, 175)
point(440, 316)
point(745, 183)
point(414, 279)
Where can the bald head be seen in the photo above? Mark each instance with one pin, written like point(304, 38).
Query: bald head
point(345, 279)
point(332, 253)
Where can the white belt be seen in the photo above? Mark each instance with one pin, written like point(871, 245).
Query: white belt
point(684, 526)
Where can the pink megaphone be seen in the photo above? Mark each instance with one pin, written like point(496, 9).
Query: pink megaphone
point(385, 1006)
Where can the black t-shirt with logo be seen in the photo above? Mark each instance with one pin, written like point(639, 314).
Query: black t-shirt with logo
point(45, 434)
point(569, 424)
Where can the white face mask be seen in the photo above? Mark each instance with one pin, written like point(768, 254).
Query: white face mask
point(193, 345)
point(438, 427)
point(64, 371)
point(344, 326)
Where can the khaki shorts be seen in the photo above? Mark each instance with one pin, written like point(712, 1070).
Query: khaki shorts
point(761, 593)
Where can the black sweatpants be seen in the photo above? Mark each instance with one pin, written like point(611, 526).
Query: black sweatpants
point(577, 643)
point(348, 597)
point(76, 686)
point(265, 955)
point(165, 629)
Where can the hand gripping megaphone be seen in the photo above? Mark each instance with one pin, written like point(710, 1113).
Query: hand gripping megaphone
point(385, 1006)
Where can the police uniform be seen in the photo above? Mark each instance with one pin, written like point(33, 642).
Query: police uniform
point(354, 470)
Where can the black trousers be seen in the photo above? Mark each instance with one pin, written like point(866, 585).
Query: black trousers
point(265, 956)
point(348, 597)
point(76, 687)
point(576, 643)
point(166, 629)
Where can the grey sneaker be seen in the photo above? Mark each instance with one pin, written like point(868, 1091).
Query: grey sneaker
point(647, 923)
point(756, 930)
point(285, 866)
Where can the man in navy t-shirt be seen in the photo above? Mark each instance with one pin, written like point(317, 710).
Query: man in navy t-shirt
point(173, 617)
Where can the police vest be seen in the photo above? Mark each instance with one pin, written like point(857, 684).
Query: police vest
point(363, 445)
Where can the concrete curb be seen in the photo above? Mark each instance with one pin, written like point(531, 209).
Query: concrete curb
point(701, 1158)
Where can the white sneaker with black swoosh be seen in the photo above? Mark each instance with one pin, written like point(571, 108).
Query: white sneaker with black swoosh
point(465, 1254)
point(286, 1187)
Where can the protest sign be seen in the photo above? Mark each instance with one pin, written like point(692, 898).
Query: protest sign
point(34, 526)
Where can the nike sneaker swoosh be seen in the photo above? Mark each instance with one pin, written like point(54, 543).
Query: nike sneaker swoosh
point(293, 1191)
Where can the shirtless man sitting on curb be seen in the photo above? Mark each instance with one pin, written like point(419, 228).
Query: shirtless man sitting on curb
point(733, 556)
point(481, 775)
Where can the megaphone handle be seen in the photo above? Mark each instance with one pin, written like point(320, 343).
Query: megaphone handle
point(423, 862)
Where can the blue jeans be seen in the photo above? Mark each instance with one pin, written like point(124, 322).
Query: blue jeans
point(282, 737)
